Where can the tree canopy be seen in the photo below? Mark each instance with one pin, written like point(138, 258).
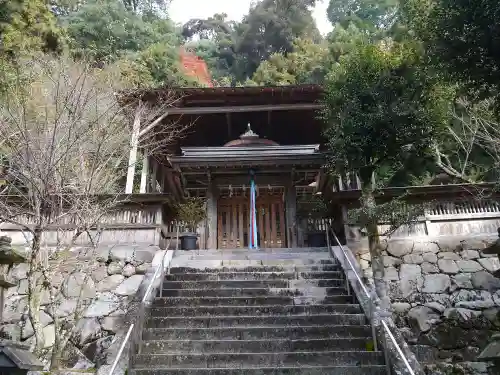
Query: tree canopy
point(381, 95)
point(307, 64)
point(463, 38)
point(106, 30)
point(383, 113)
point(237, 49)
point(28, 26)
point(366, 14)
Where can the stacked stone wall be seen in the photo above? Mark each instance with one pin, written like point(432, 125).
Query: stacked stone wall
point(106, 288)
point(444, 298)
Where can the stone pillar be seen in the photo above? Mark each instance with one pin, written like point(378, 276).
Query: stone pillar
point(291, 215)
point(211, 230)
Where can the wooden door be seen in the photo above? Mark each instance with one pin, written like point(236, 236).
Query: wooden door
point(234, 216)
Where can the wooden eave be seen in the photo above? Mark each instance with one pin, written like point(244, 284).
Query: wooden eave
point(243, 109)
point(229, 99)
point(238, 157)
point(249, 162)
point(250, 151)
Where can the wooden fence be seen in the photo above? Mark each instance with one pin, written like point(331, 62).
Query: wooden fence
point(455, 218)
point(128, 223)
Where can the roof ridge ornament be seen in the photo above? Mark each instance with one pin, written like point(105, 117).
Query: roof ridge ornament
point(250, 139)
point(249, 134)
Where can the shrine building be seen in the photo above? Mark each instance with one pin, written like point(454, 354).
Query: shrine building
point(256, 154)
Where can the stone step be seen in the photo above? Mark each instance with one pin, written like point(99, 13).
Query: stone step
point(293, 262)
point(269, 250)
point(313, 268)
point(239, 284)
point(249, 360)
point(252, 254)
point(286, 264)
point(258, 333)
point(311, 258)
point(184, 347)
point(254, 292)
point(249, 301)
point(262, 250)
point(255, 321)
point(269, 310)
point(325, 370)
point(258, 275)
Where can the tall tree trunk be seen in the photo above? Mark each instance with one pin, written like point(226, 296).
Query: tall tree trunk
point(35, 291)
point(368, 206)
point(57, 351)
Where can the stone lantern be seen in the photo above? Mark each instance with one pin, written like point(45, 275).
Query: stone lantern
point(15, 358)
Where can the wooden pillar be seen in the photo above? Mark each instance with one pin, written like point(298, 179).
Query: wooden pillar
point(301, 232)
point(159, 224)
point(144, 174)
point(132, 159)
point(291, 214)
point(154, 176)
point(212, 197)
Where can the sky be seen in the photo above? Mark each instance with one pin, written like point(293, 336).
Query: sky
point(182, 11)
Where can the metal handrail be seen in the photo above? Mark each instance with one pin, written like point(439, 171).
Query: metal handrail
point(160, 268)
point(371, 302)
point(398, 348)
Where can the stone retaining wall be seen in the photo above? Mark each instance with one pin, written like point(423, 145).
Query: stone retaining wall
point(444, 298)
point(114, 277)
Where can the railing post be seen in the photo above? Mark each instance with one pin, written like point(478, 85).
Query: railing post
point(376, 317)
point(162, 274)
point(327, 236)
point(139, 326)
point(130, 338)
point(348, 267)
point(386, 354)
point(371, 302)
point(387, 357)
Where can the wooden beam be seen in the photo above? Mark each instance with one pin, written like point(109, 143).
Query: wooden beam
point(245, 180)
point(152, 125)
point(244, 171)
point(243, 109)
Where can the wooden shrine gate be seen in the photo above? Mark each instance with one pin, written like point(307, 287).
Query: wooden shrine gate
point(234, 216)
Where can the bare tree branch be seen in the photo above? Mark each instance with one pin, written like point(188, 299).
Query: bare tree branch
point(64, 141)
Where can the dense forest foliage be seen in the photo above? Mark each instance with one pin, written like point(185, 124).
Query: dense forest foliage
point(277, 41)
point(140, 38)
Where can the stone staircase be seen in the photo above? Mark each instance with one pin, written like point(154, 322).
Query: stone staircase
point(266, 312)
